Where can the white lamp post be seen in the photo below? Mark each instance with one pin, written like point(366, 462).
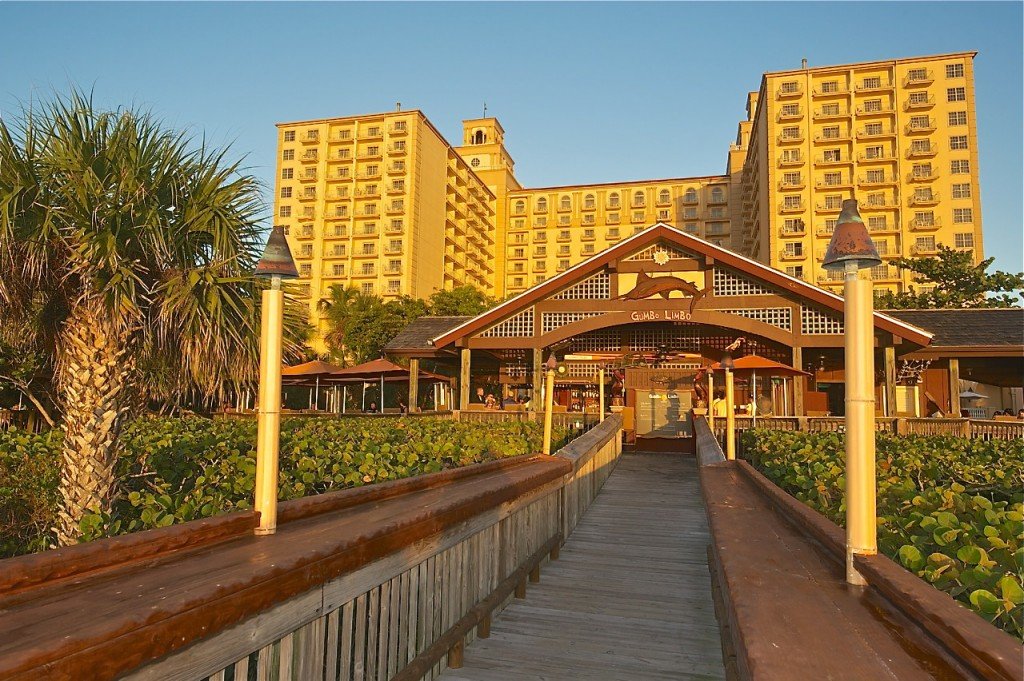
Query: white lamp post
point(850, 251)
point(276, 264)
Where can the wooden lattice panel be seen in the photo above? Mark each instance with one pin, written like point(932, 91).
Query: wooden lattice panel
point(516, 326)
point(781, 317)
point(597, 287)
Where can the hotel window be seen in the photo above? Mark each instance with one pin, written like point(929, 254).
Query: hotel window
point(881, 246)
point(876, 199)
point(367, 268)
point(613, 200)
point(563, 250)
point(399, 145)
point(790, 86)
point(285, 211)
point(588, 234)
point(638, 216)
point(833, 179)
point(519, 223)
point(338, 270)
point(664, 196)
point(958, 142)
point(398, 166)
point(342, 172)
point(395, 245)
point(922, 169)
point(830, 109)
point(792, 226)
point(791, 133)
point(690, 196)
point(289, 135)
point(794, 248)
point(398, 204)
point(831, 132)
point(399, 125)
point(917, 74)
point(874, 222)
point(344, 134)
point(954, 70)
point(717, 195)
point(373, 131)
point(874, 104)
point(956, 94)
point(588, 201)
point(690, 213)
point(566, 219)
point(367, 287)
point(663, 215)
point(588, 249)
point(690, 227)
point(305, 269)
point(875, 176)
point(833, 201)
point(923, 194)
point(393, 286)
point(791, 155)
point(961, 167)
point(398, 185)
point(921, 145)
point(565, 203)
point(309, 192)
point(397, 224)
point(518, 267)
point(344, 153)
point(539, 265)
point(563, 264)
point(587, 219)
point(873, 129)
point(369, 249)
point(920, 122)
point(307, 212)
point(963, 216)
point(613, 217)
point(920, 97)
point(370, 228)
point(874, 152)
point(286, 192)
point(520, 206)
point(833, 155)
point(394, 265)
point(288, 155)
point(540, 221)
point(563, 235)
point(791, 110)
point(306, 251)
point(924, 244)
point(717, 212)
point(613, 233)
point(962, 191)
point(542, 205)
point(339, 249)
point(796, 272)
point(517, 282)
point(963, 240)
point(830, 86)
point(539, 279)
point(518, 252)
point(925, 218)
point(958, 118)
point(373, 150)
point(791, 201)
point(287, 173)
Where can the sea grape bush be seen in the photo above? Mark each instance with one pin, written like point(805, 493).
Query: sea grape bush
point(172, 470)
point(949, 509)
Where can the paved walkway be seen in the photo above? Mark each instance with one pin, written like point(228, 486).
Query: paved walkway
point(630, 597)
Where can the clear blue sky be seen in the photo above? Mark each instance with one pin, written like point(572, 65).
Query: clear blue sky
point(585, 92)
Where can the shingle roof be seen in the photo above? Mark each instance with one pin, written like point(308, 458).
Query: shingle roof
point(420, 332)
point(968, 327)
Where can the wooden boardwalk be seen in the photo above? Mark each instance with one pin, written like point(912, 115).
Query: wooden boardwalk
point(630, 597)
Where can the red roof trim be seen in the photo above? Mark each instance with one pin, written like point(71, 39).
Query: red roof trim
point(649, 236)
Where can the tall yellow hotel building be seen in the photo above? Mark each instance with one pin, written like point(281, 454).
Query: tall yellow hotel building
point(384, 203)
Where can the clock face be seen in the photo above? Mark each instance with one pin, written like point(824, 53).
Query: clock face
point(475, 163)
point(661, 257)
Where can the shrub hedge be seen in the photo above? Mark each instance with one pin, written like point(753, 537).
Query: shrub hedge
point(178, 469)
point(949, 509)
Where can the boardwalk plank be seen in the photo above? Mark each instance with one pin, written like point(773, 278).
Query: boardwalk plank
point(629, 598)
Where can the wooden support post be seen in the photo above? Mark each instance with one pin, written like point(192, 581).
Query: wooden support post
point(711, 400)
point(954, 387)
point(536, 402)
point(414, 385)
point(455, 655)
point(483, 629)
point(799, 383)
point(535, 574)
point(730, 417)
point(890, 381)
point(464, 387)
point(549, 399)
point(600, 393)
point(555, 552)
point(521, 589)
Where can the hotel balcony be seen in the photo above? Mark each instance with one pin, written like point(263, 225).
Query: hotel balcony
point(885, 180)
point(864, 134)
point(924, 250)
point(396, 209)
point(791, 185)
point(785, 254)
point(396, 149)
point(826, 208)
point(920, 128)
point(883, 228)
point(926, 103)
point(915, 79)
point(339, 177)
point(339, 158)
point(791, 139)
point(365, 192)
point(393, 250)
point(396, 168)
point(799, 230)
point(792, 208)
point(397, 129)
point(392, 230)
point(822, 138)
point(875, 111)
point(839, 90)
point(310, 157)
point(305, 233)
point(343, 137)
point(822, 161)
point(823, 231)
point(307, 196)
point(366, 154)
point(788, 92)
point(922, 177)
point(874, 158)
point(931, 199)
point(842, 183)
point(882, 86)
point(790, 115)
point(884, 204)
point(922, 152)
point(785, 162)
point(372, 133)
point(823, 115)
point(307, 177)
point(311, 137)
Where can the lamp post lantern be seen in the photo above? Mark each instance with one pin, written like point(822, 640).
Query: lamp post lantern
point(549, 397)
point(850, 251)
point(276, 264)
point(730, 407)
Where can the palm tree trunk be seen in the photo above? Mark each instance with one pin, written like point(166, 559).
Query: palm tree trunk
point(93, 370)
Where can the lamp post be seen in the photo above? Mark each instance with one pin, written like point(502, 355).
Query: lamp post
point(276, 264)
point(730, 408)
point(549, 398)
point(849, 251)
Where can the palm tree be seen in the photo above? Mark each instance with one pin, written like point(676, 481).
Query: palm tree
point(337, 308)
point(139, 244)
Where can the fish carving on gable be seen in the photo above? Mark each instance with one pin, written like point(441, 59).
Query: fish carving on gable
point(648, 287)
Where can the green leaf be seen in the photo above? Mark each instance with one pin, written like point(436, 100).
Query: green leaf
point(985, 601)
point(1010, 588)
point(911, 557)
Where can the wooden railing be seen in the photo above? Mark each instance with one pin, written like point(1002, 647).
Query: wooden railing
point(573, 420)
point(971, 428)
point(387, 581)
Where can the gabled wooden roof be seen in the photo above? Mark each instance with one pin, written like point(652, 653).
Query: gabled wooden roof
point(662, 232)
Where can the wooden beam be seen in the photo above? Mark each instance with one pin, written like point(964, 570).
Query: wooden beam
point(890, 380)
point(954, 387)
point(464, 387)
point(799, 382)
point(414, 384)
point(538, 362)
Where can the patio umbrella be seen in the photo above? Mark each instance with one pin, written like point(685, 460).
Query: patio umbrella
point(378, 370)
point(756, 364)
point(308, 373)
